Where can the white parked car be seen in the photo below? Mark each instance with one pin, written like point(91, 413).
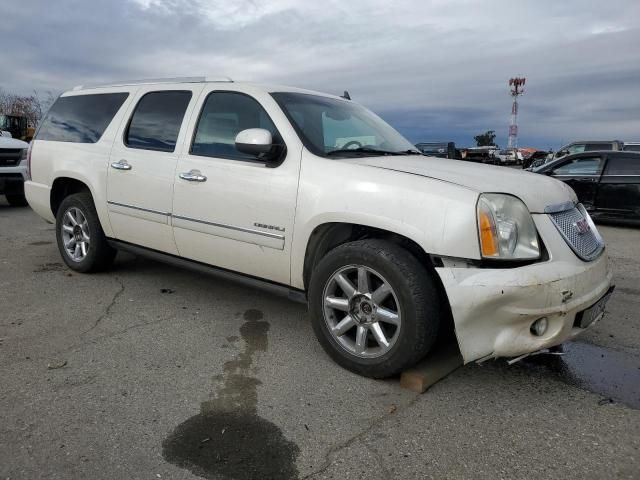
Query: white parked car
point(314, 196)
point(13, 169)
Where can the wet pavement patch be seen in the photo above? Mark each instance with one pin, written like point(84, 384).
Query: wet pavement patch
point(612, 374)
point(229, 445)
point(40, 243)
point(228, 439)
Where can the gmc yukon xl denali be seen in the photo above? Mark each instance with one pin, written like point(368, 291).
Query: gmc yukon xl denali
point(315, 196)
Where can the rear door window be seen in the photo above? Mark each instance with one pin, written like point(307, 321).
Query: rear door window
point(623, 165)
point(580, 166)
point(156, 121)
point(80, 118)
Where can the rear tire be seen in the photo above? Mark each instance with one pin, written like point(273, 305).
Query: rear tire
point(380, 322)
point(81, 240)
point(17, 200)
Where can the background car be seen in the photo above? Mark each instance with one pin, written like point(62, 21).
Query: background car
point(606, 182)
point(631, 147)
point(13, 170)
point(588, 146)
point(438, 149)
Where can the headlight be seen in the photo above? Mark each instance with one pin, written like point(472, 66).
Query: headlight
point(506, 229)
point(23, 155)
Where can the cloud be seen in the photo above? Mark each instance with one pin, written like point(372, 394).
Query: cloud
point(437, 69)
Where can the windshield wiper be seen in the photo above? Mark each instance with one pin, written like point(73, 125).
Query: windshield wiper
point(409, 152)
point(362, 150)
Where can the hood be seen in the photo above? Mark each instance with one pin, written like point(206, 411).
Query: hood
point(536, 191)
point(8, 142)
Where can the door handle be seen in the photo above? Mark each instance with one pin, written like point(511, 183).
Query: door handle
point(193, 176)
point(121, 165)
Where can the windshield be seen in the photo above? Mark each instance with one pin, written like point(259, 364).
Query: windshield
point(330, 127)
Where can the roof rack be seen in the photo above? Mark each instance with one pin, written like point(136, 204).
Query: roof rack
point(147, 81)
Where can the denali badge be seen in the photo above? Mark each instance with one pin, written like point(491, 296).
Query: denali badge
point(269, 227)
point(581, 226)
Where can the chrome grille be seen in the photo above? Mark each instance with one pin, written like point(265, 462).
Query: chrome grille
point(580, 233)
point(10, 157)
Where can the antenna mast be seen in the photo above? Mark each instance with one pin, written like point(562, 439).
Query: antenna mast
point(515, 91)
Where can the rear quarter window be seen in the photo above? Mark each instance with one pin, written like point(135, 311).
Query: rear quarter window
point(80, 118)
point(623, 165)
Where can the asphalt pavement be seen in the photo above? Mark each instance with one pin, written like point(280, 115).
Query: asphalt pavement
point(149, 371)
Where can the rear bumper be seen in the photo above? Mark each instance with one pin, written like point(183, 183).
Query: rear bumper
point(493, 309)
point(39, 198)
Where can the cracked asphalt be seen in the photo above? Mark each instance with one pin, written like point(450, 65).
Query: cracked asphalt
point(149, 372)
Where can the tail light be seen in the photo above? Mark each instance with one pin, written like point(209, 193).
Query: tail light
point(29, 160)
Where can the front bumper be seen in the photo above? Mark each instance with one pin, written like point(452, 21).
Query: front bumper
point(12, 179)
point(493, 309)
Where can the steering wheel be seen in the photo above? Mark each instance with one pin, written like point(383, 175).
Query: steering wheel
point(352, 142)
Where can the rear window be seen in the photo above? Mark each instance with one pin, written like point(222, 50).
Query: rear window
point(80, 118)
point(623, 165)
point(632, 148)
point(156, 121)
point(592, 147)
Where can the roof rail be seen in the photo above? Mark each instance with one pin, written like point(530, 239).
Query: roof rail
point(203, 79)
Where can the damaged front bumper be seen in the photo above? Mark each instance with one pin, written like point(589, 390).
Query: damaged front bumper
point(494, 308)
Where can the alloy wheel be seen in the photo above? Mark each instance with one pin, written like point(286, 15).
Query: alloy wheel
point(75, 234)
point(362, 311)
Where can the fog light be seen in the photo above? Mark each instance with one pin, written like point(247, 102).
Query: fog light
point(539, 327)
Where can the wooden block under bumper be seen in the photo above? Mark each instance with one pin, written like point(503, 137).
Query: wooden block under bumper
point(433, 368)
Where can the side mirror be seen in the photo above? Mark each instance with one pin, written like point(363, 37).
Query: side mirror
point(254, 141)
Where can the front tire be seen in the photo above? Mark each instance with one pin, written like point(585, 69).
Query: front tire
point(80, 237)
point(374, 308)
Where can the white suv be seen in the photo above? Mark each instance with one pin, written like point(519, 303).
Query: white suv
point(13, 169)
point(315, 196)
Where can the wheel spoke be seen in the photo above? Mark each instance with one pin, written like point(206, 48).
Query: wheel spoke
point(346, 286)
point(341, 304)
point(71, 218)
point(379, 335)
point(363, 280)
point(83, 248)
point(77, 251)
point(71, 243)
point(381, 293)
point(67, 228)
point(344, 326)
point(387, 316)
point(85, 236)
point(361, 339)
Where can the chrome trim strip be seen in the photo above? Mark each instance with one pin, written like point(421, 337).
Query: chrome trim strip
point(559, 207)
point(166, 214)
point(231, 227)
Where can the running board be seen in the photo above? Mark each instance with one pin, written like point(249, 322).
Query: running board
point(247, 280)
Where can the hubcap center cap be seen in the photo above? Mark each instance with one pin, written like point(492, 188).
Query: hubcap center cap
point(362, 309)
point(77, 233)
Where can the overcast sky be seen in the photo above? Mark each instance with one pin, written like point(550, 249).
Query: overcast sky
point(436, 70)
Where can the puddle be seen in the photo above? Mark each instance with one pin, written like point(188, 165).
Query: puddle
point(228, 439)
point(612, 374)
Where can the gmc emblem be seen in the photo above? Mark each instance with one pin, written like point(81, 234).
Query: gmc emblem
point(581, 226)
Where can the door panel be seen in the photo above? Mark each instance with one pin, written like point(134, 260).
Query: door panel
point(241, 217)
point(619, 191)
point(582, 174)
point(143, 164)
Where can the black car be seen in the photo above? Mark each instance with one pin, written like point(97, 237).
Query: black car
point(438, 149)
point(606, 182)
